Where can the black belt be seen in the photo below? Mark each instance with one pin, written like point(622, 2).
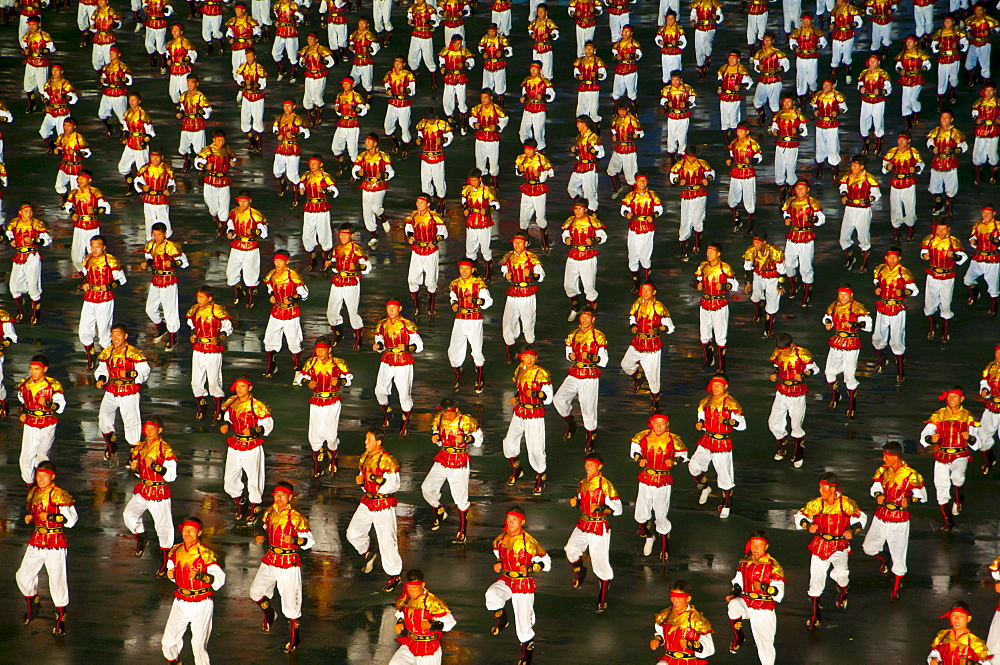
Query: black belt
point(40, 413)
point(370, 495)
point(48, 530)
point(153, 483)
point(164, 273)
point(326, 394)
point(282, 550)
point(453, 450)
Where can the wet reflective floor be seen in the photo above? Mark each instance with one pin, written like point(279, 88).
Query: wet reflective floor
point(118, 607)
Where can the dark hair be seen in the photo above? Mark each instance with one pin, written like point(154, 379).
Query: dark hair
point(414, 575)
point(681, 585)
point(46, 465)
point(156, 420)
point(377, 432)
point(829, 477)
point(893, 448)
point(120, 326)
point(158, 226)
point(782, 340)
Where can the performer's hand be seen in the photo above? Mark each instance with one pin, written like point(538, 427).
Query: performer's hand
point(28, 519)
point(435, 438)
point(996, 586)
point(699, 286)
point(513, 402)
point(773, 378)
point(729, 597)
point(746, 287)
point(144, 265)
point(964, 436)
point(699, 425)
point(935, 438)
point(170, 573)
point(224, 428)
point(230, 234)
point(410, 240)
point(359, 480)
point(42, 517)
point(134, 465)
point(100, 384)
point(260, 540)
point(454, 306)
point(399, 628)
point(984, 392)
point(654, 644)
point(904, 502)
point(572, 357)
point(642, 462)
point(497, 568)
point(813, 528)
point(797, 376)
point(829, 326)
point(848, 535)
point(880, 499)
point(312, 385)
point(23, 417)
point(193, 338)
point(425, 624)
point(573, 502)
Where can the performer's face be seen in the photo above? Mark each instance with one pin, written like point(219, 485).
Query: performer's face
point(889, 460)
point(97, 247)
point(280, 263)
point(322, 352)
point(718, 388)
point(243, 202)
point(203, 298)
point(190, 535)
point(592, 467)
point(892, 260)
point(903, 142)
point(43, 479)
point(371, 443)
point(242, 389)
point(514, 524)
point(942, 230)
point(414, 591)
point(646, 291)
point(659, 426)
point(282, 499)
point(844, 297)
point(344, 237)
point(827, 492)
point(465, 271)
point(954, 400)
point(36, 371)
point(118, 337)
point(519, 244)
point(152, 431)
point(392, 310)
point(159, 236)
point(801, 190)
point(712, 254)
point(528, 360)
point(958, 620)
point(423, 204)
point(586, 319)
point(758, 547)
point(679, 603)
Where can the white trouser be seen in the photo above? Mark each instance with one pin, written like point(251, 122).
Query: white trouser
point(896, 534)
point(581, 541)
point(546, 60)
point(588, 103)
point(842, 361)
point(478, 241)
point(989, 427)
point(315, 89)
point(95, 317)
point(533, 208)
point(454, 95)
point(583, 35)
point(805, 76)
point(692, 216)
point(384, 522)
point(625, 85)
point(100, 56)
point(843, 52)
point(794, 408)
point(584, 185)
point(163, 520)
point(743, 190)
point(756, 26)
point(423, 270)
point(677, 133)
point(290, 329)
point(902, 207)
point(288, 166)
point(217, 201)
point(703, 46)
point(285, 47)
point(519, 314)
point(828, 145)
point(176, 86)
point(206, 368)
point(533, 431)
point(466, 333)
point(502, 19)
point(730, 114)
point(64, 182)
point(245, 264)
point(947, 77)
point(990, 272)
point(985, 149)
point(458, 483)
point(626, 163)
point(763, 625)
point(362, 75)
point(341, 296)
point(261, 11)
point(421, 49)
point(668, 63)
point(714, 324)
point(81, 245)
point(130, 158)
point(27, 278)
point(239, 56)
point(923, 19)
point(652, 501)
point(345, 138)
point(495, 80)
point(372, 207)
point(818, 568)
point(211, 28)
point(533, 126)
point(722, 461)
point(131, 420)
point(36, 442)
point(398, 115)
point(163, 297)
point(649, 361)
point(239, 462)
point(791, 15)
point(184, 613)
point(35, 78)
point(451, 32)
point(856, 220)
point(785, 160)
point(192, 143)
point(402, 377)
point(937, 296)
point(944, 182)
point(585, 391)
point(799, 255)
point(324, 421)
point(523, 605)
point(767, 93)
point(336, 33)
point(881, 35)
point(251, 115)
point(977, 55)
point(54, 561)
point(432, 179)
point(153, 213)
point(891, 330)
point(289, 584)
point(911, 99)
point(640, 250)
point(112, 106)
point(404, 656)
point(873, 117)
point(581, 275)
point(380, 12)
point(946, 475)
point(83, 15)
point(316, 230)
point(766, 289)
point(616, 22)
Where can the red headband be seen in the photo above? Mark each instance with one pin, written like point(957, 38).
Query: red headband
point(716, 379)
point(677, 593)
point(48, 471)
point(189, 523)
point(960, 610)
point(828, 483)
point(347, 79)
point(516, 513)
point(893, 251)
point(658, 416)
point(321, 345)
point(38, 364)
point(532, 352)
point(246, 381)
point(844, 289)
point(150, 422)
point(747, 548)
point(288, 101)
point(243, 198)
point(281, 489)
point(944, 395)
point(413, 583)
point(25, 205)
point(393, 302)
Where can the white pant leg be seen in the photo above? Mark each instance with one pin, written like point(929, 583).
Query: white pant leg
point(54, 561)
point(182, 614)
point(206, 368)
point(324, 422)
point(652, 501)
point(730, 114)
point(290, 329)
point(35, 78)
point(818, 569)
point(827, 146)
point(36, 442)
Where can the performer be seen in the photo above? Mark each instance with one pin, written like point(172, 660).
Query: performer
point(315, 185)
point(422, 16)
point(290, 130)
point(718, 415)
point(250, 421)
point(215, 160)
point(519, 557)
point(845, 21)
point(535, 168)
point(469, 296)
point(893, 283)
point(743, 152)
point(287, 290)
point(154, 182)
point(242, 32)
point(364, 44)
point(495, 49)
point(803, 214)
point(846, 317)
point(758, 587)
point(792, 364)
point(951, 434)
point(72, 149)
point(400, 85)
point(584, 13)
point(286, 532)
point(41, 399)
point(949, 42)
point(944, 254)
point(8, 336)
point(807, 41)
point(895, 486)
point(904, 162)
point(640, 207)
point(769, 62)
point(677, 100)
point(349, 262)
point(27, 234)
point(195, 570)
point(672, 42)
point(733, 80)
point(350, 106)
point(397, 339)
point(333, 14)
point(378, 476)
point(911, 63)
point(627, 53)
point(648, 317)
point(834, 520)
point(656, 450)
point(58, 95)
point(245, 228)
point(136, 134)
point(587, 349)
point(456, 61)
point(985, 238)
point(36, 44)
point(421, 618)
point(589, 70)
point(194, 110)
point(180, 54)
point(524, 271)
point(424, 229)
point(958, 644)
point(116, 77)
point(251, 77)
point(693, 175)
point(986, 113)
point(542, 32)
point(453, 432)
point(103, 24)
point(51, 510)
point(488, 119)
point(706, 17)
point(858, 191)
point(479, 200)
point(211, 23)
point(874, 86)
point(582, 232)
point(287, 17)
point(163, 257)
point(536, 93)
point(587, 149)
point(979, 30)
point(210, 325)
point(788, 125)
point(324, 374)
point(715, 279)
point(597, 498)
point(682, 631)
point(764, 265)
point(121, 371)
point(946, 143)
point(373, 168)
point(155, 465)
point(433, 136)
point(101, 273)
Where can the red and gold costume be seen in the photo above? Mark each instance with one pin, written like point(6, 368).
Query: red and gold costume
point(536, 93)
point(893, 286)
point(768, 62)
point(166, 256)
point(433, 134)
point(980, 29)
point(678, 101)
point(802, 215)
point(216, 165)
point(846, 319)
point(649, 318)
point(37, 398)
point(495, 51)
point(58, 95)
point(251, 75)
point(951, 428)
point(733, 80)
point(644, 208)
point(716, 283)
point(790, 362)
point(423, 18)
point(86, 202)
point(115, 79)
point(208, 325)
point(743, 152)
point(192, 105)
point(716, 414)
point(286, 18)
point(479, 201)
point(188, 563)
point(756, 578)
point(121, 364)
point(467, 297)
point(26, 237)
point(248, 225)
point(872, 85)
point(833, 522)
point(949, 42)
point(581, 234)
point(372, 467)
point(515, 552)
point(326, 374)
point(690, 175)
point(284, 284)
point(149, 454)
point(412, 613)
point(425, 231)
point(136, 121)
point(396, 339)
point(950, 143)
point(520, 271)
point(36, 47)
point(591, 70)
point(399, 86)
point(660, 452)
point(828, 106)
point(541, 32)
point(787, 127)
point(941, 253)
point(679, 633)
point(844, 22)
point(706, 14)
point(158, 179)
point(72, 148)
point(49, 533)
point(904, 164)
point(627, 53)
point(373, 170)
point(288, 128)
point(179, 54)
point(100, 277)
point(585, 345)
point(587, 150)
point(316, 185)
point(283, 529)
point(242, 32)
point(593, 495)
point(860, 188)
point(362, 45)
point(529, 383)
point(987, 115)
point(955, 649)
point(454, 430)
point(985, 238)
point(103, 24)
point(244, 417)
point(349, 107)
point(531, 169)
point(455, 64)
point(895, 487)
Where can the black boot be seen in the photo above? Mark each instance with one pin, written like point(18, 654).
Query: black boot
point(501, 620)
point(709, 357)
point(602, 598)
point(527, 652)
point(570, 426)
point(293, 624)
point(539, 483)
point(579, 573)
point(272, 364)
point(814, 620)
point(141, 540)
point(738, 635)
point(516, 472)
point(268, 609)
